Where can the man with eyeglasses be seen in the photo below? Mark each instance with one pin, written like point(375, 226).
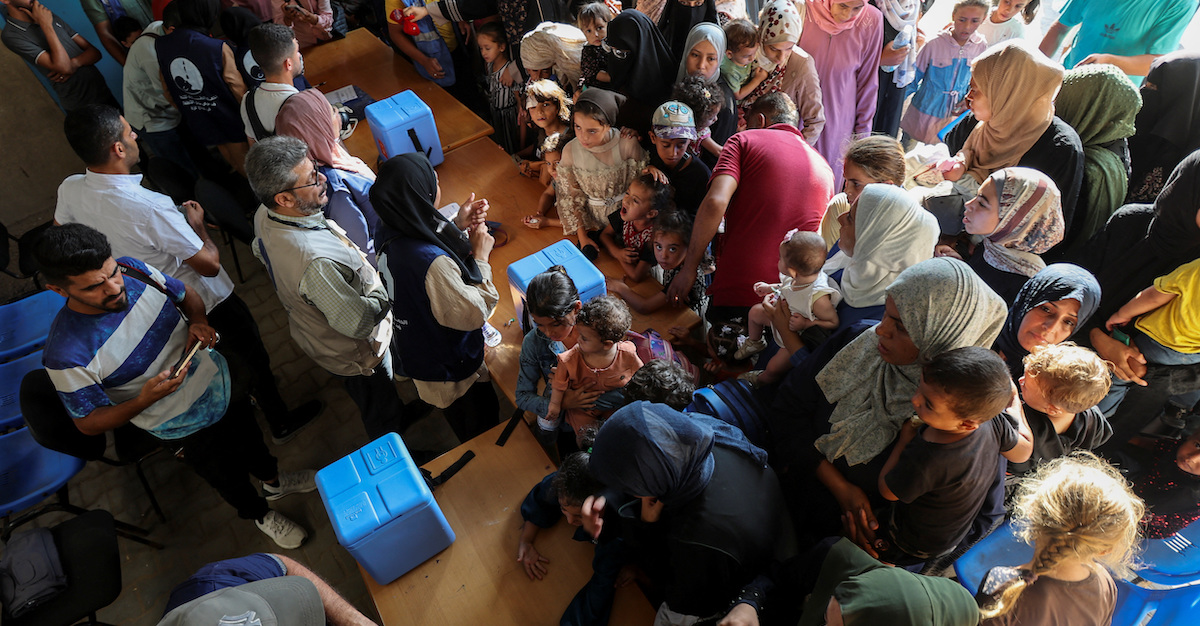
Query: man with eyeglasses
point(147, 225)
point(338, 309)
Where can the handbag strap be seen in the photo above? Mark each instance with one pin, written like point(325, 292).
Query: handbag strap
point(133, 272)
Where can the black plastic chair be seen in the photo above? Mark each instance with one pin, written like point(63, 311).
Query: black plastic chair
point(87, 548)
point(26, 267)
point(171, 179)
point(222, 209)
point(53, 428)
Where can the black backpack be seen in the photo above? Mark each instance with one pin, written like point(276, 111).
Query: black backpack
point(30, 572)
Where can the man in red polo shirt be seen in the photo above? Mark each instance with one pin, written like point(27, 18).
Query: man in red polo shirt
point(766, 182)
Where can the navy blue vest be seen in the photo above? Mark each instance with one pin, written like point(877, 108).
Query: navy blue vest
point(424, 349)
point(191, 66)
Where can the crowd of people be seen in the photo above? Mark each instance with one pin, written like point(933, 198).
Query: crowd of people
point(957, 271)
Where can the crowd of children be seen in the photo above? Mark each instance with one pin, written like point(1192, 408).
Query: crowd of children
point(922, 407)
point(632, 189)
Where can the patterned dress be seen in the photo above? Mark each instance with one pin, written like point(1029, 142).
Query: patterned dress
point(591, 182)
point(502, 101)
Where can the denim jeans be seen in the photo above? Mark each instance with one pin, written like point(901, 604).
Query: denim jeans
point(1130, 407)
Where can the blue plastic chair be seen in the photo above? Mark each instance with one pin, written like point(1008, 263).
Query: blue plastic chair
point(1164, 590)
point(30, 473)
point(25, 323)
point(11, 374)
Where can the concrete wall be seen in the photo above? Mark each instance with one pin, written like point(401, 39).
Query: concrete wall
point(34, 156)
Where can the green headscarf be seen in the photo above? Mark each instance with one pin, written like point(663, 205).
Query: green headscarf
point(871, 592)
point(1100, 103)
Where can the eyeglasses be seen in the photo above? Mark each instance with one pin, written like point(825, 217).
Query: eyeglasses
point(315, 177)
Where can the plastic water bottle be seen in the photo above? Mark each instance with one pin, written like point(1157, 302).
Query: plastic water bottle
point(491, 336)
point(900, 41)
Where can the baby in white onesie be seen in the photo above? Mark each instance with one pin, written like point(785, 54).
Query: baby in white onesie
point(809, 293)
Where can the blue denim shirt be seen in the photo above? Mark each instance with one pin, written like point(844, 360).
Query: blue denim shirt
point(539, 357)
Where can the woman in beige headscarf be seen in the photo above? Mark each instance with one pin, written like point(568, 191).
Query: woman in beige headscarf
point(1013, 87)
point(1012, 95)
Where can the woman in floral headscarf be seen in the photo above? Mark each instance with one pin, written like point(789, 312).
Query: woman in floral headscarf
point(789, 69)
point(1018, 213)
point(845, 38)
point(1012, 123)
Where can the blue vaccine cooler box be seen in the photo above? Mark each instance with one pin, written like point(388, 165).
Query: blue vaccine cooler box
point(381, 510)
point(588, 279)
point(403, 124)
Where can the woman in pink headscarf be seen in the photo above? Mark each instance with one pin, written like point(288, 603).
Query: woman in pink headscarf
point(308, 116)
point(845, 37)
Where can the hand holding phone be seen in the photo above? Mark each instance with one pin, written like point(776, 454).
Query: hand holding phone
point(182, 364)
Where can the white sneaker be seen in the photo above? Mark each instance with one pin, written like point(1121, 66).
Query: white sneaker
point(748, 347)
point(302, 481)
point(283, 531)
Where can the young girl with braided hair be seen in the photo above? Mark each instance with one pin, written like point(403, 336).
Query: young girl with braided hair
point(1079, 513)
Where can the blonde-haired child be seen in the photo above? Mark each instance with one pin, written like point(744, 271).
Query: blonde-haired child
point(600, 357)
point(1080, 515)
point(1062, 385)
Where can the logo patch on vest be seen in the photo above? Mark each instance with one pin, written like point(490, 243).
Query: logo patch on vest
point(187, 76)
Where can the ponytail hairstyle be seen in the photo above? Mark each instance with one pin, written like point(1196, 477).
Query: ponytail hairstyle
point(722, 341)
point(551, 294)
point(1030, 11)
point(1074, 507)
point(662, 195)
point(879, 157)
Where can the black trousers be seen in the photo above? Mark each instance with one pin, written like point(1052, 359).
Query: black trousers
point(888, 106)
point(378, 402)
point(476, 411)
point(226, 451)
point(240, 337)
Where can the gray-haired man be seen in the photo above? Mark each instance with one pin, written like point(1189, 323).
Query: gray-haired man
point(338, 309)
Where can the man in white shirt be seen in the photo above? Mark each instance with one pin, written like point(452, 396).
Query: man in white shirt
point(275, 48)
point(147, 225)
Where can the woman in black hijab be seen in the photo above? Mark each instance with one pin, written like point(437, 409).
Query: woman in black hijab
point(441, 289)
point(1168, 125)
point(1140, 243)
point(677, 20)
point(641, 66)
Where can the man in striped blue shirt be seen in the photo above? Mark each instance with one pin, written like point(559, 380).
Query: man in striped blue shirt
point(111, 353)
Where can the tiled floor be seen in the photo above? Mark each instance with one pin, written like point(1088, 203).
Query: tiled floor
point(200, 527)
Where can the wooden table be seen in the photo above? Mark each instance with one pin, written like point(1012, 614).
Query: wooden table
point(361, 59)
point(477, 580)
point(483, 168)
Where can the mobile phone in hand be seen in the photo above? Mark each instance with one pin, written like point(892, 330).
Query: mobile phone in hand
point(182, 365)
point(1120, 335)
